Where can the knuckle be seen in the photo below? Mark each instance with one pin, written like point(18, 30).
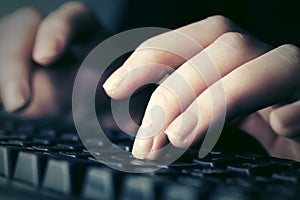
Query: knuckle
point(233, 40)
point(291, 54)
point(163, 96)
point(223, 23)
point(178, 143)
point(160, 94)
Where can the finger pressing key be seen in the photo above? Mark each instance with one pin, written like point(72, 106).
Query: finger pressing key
point(184, 85)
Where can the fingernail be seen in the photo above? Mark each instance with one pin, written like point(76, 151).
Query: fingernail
point(152, 125)
point(158, 151)
point(141, 148)
point(13, 97)
point(181, 128)
point(114, 81)
point(144, 139)
point(142, 145)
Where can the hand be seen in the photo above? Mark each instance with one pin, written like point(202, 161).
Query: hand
point(254, 75)
point(27, 36)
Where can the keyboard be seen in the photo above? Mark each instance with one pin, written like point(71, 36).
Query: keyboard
point(45, 159)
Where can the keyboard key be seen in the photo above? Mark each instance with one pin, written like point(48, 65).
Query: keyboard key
point(254, 168)
point(24, 130)
point(63, 176)
point(288, 176)
point(288, 163)
point(138, 187)
point(67, 147)
point(29, 167)
point(46, 133)
point(209, 172)
point(69, 137)
point(13, 137)
point(174, 191)
point(215, 160)
point(7, 161)
point(100, 183)
point(77, 155)
point(228, 192)
point(19, 143)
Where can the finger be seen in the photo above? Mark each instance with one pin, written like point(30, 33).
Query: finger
point(285, 119)
point(58, 29)
point(182, 87)
point(170, 49)
point(264, 81)
point(17, 33)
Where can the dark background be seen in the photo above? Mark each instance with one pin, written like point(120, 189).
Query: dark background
point(273, 21)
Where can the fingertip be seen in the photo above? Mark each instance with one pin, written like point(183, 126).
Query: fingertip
point(141, 148)
point(113, 83)
point(143, 143)
point(108, 89)
point(14, 96)
point(47, 52)
point(51, 40)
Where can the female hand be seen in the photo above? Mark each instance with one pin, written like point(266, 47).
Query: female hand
point(27, 37)
point(253, 75)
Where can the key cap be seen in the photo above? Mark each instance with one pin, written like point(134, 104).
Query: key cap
point(77, 155)
point(29, 167)
point(208, 172)
point(7, 161)
point(288, 176)
point(63, 176)
point(138, 187)
point(67, 147)
point(19, 143)
point(13, 137)
point(254, 168)
point(180, 192)
point(24, 129)
point(215, 160)
point(288, 163)
point(69, 137)
point(100, 183)
point(46, 133)
point(228, 192)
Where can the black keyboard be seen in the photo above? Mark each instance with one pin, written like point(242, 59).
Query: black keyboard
point(40, 159)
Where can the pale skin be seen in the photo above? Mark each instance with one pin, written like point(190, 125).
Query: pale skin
point(255, 75)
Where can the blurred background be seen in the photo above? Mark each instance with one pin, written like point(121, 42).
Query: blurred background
point(274, 21)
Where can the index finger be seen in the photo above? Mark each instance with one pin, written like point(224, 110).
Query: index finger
point(171, 49)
